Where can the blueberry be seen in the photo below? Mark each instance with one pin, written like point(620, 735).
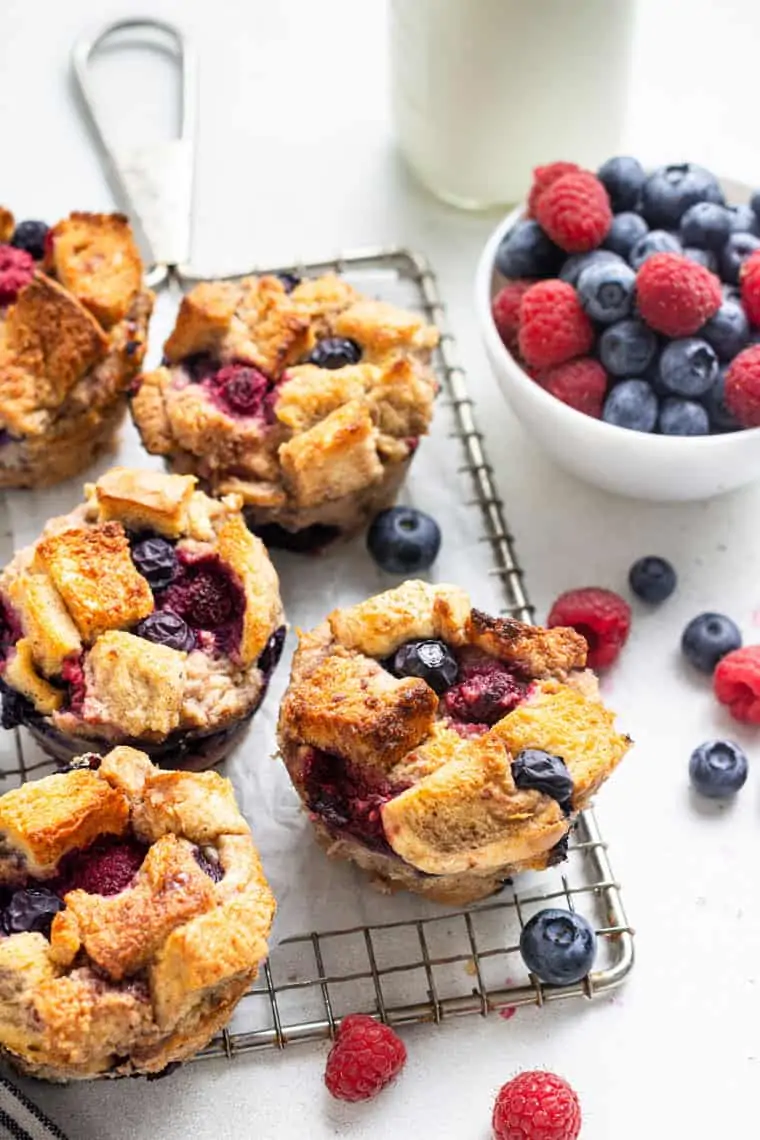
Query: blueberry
point(755, 203)
point(558, 946)
point(622, 178)
point(728, 331)
point(576, 263)
point(165, 628)
point(652, 579)
point(656, 241)
point(708, 638)
point(631, 404)
point(535, 769)
point(289, 280)
point(743, 220)
point(688, 367)
point(625, 231)
point(31, 910)
point(156, 560)
point(335, 352)
point(627, 348)
point(682, 417)
point(207, 859)
point(718, 769)
point(706, 226)
point(526, 251)
point(721, 419)
point(669, 192)
point(708, 258)
point(272, 652)
point(606, 291)
point(403, 540)
point(736, 251)
point(433, 661)
point(31, 236)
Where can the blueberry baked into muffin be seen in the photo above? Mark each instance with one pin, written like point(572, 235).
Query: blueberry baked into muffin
point(303, 396)
point(149, 616)
point(134, 914)
point(440, 749)
point(73, 326)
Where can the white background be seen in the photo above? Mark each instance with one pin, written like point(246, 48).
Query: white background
point(296, 158)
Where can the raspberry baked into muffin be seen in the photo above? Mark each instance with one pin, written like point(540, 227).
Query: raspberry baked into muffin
point(134, 915)
point(149, 616)
point(303, 396)
point(440, 749)
point(73, 326)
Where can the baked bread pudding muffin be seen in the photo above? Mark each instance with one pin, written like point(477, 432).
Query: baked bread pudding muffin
point(440, 749)
point(149, 616)
point(73, 324)
point(303, 396)
point(134, 915)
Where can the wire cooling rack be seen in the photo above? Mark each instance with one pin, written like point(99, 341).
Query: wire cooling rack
point(447, 963)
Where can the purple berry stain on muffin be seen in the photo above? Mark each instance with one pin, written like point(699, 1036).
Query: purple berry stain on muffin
point(345, 801)
point(10, 630)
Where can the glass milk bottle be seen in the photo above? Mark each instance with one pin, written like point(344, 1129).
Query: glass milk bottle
point(484, 90)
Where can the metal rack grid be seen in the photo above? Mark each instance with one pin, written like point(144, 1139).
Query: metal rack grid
point(459, 962)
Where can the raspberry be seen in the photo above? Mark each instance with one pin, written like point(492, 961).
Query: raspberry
point(16, 271)
point(505, 309)
point(749, 278)
point(536, 1106)
point(553, 325)
point(243, 389)
point(741, 393)
point(736, 682)
point(575, 212)
point(581, 384)
point(601, 616)
point(675, 295)
point(365, 1058)
point(486, 692)
point(106, 868)
point(543, 177)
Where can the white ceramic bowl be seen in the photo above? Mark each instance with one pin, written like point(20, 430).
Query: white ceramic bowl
point(641, 466)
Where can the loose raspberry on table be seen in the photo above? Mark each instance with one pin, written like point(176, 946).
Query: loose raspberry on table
point(749, 281)
point(736, 683)
point(575, 212)
point(536, 1106)
point(365, 1058)
point(505, 309)
point(675, 295)
point(599, 615)
point(741, 391)
point(16, 271)
point(580, 383)
point(553, 325)
point(543, 177)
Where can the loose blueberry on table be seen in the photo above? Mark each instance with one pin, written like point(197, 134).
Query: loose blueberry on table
point(718, 769)
point(708, 638)
point(652, 579)
point(403, 540)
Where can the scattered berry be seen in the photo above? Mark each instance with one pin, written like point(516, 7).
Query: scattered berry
point(536, 1106)
point(741, 391)
point(624, 233)
point(721, 419)
point(708, 638)
point(206, 595)
point(432, 661)
point(735, 252)
point(623, 179)
point(607, 291)
point(688, 367)
point(675, 295)
point(365, 1057)
point(602, 617)
point(718, 769)
point(30, 236)
point(627, 348)
point(706, 225)
point(652, 579)
point(749, 279)
point(754, 203)
point(272, 652)
point(505, 309)
point(156, 560)
point(737, 683)
point(579, 383)
point(577, 262)
point(727, 332)
point(16, 271)
point(31, 910)
point(743, 219)
point(534, 769)
point(657, 241)
point(707, 258)
point(669, 192)
point(106, 868)
point(543, 176)
point(631, 404)
point(335, 352)
point(526, 251)
point(207, 859)
point(403, 540)
point(682, 417)
point(485, 692)
point(553, 325)
point(290, 281)
point(575, 212)
point(166, 628)
point(558, 946)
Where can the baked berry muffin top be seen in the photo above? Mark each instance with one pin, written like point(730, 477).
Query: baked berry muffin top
point(134, 914)
point(73, 326)
point(303, 396)
point(439, 748)
point(148, 613)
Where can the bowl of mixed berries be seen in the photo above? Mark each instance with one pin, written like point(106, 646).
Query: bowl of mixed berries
point(621, 314)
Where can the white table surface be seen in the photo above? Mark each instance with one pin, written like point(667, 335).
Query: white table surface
point(296, 158)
